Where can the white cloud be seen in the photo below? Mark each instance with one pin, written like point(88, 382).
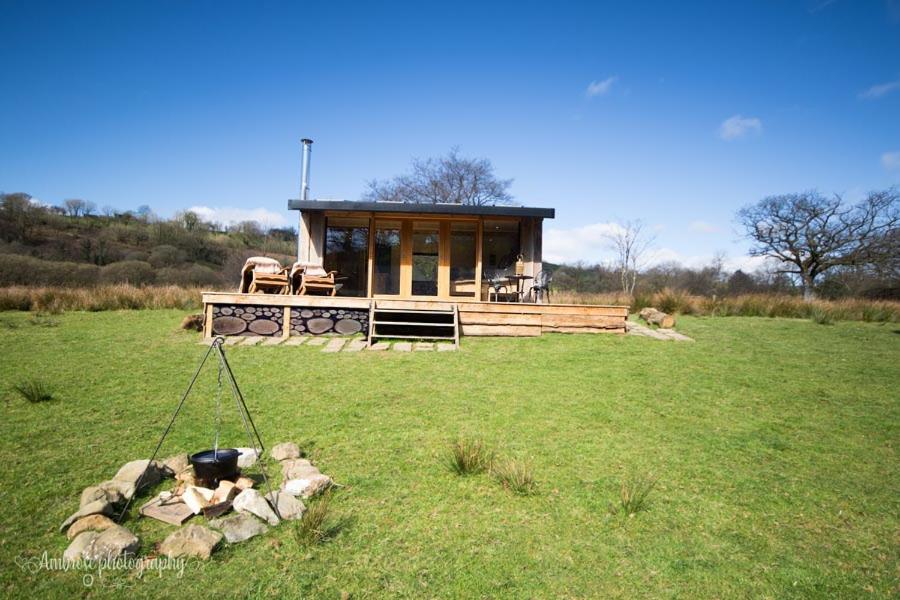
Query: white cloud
point(227, 215)
point(738, 126)
point(882, 89)
point(600, 88)
point(704, 227)
point(891, 161)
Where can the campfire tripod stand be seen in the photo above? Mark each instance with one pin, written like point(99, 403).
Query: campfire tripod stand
point(215, 347)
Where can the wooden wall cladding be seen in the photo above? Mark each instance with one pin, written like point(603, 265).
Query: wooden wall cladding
point(329, 320)
point(248, 320)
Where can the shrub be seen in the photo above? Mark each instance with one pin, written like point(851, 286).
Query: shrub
point(166, 256)
point(633, 495)
point(467, 457)
point(135, 272)
point(34, 390)
point(16, 269)
point(311, 528)
point(515, 475)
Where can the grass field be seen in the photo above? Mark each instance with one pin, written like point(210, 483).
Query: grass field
point(774, 443)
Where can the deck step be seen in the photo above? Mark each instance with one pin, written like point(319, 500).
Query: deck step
point(413, 324)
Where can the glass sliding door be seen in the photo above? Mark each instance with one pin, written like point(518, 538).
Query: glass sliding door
point(347, 252)
point(426, 245)
point(386, 267)
point(463, 245)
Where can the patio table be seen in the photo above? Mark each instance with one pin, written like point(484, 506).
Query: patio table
point(520, 284)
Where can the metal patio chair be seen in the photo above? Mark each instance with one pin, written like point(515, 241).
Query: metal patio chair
point(541, 287)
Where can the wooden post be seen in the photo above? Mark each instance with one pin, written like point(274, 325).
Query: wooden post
point(208, 322)
point(286, 323)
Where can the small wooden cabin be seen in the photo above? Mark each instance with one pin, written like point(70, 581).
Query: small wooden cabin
point(417, 271)
point(419, 251)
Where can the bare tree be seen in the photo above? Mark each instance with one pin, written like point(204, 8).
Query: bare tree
point(75, 207)
point(810, 234)
point(450, 179)
point(630, 243)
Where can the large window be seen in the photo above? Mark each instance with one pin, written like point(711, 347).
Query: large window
point(426, 242)
point(500, 246)
point(462, 258)
point(386, 278)
point(347, 252)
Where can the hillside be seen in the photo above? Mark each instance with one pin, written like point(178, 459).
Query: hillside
point(49, 246)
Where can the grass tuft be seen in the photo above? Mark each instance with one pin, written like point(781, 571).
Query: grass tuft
point(633, 495)
point(34, 390)
point(515, 475)
point(821, 316)
point(312, 528)
point(468, 457)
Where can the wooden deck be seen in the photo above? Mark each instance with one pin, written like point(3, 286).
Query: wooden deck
point(309, 315)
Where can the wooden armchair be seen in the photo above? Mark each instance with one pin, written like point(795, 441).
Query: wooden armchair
point(264, 275)
point(307, 278)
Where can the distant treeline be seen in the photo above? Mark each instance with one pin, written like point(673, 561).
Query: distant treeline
point(715, 280)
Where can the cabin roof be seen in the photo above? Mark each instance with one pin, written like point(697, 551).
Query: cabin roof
point(406, 207)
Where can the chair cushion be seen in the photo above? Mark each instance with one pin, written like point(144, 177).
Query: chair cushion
point(263, 264)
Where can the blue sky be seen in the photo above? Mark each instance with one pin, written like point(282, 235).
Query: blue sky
point(676, 113)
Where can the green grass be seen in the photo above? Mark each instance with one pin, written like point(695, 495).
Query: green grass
point(773, 444)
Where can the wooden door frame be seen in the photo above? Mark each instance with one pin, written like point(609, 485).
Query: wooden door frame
point(444, 250)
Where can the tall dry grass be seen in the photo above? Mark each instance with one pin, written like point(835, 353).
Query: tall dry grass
point(105, 297)
point(747, 305)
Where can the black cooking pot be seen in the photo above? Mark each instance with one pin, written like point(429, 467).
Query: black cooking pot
point(215, 465)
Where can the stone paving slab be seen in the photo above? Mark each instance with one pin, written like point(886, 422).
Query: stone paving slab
point(424, 346)
point(402, 346)
point(334, 345)
point(295, 340)
point(355, 345)
point(317, 341)
point(380, 346)
point(273, 341)
point(233, 340)
point(446, 347)
point(252, 340)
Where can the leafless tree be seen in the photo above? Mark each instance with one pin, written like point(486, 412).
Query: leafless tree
point(449, 179)
point(630, 242)
point(810, 233)
point(76, 207)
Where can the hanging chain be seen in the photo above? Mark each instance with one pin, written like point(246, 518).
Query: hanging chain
point(218, 409)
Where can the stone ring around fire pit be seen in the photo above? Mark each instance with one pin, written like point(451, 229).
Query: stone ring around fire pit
point(94, 535)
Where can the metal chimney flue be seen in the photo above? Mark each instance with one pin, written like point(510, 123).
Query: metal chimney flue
point(304, 169)
point(304, 193)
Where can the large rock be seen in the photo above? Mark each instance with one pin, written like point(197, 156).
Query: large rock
point(191, 540)
point(307, 487)
point(111, 495)
point(90, 523)
point(120, 488)
point(285, 450)
point(112, 543)
point(132, 471)
point(97, 507)
point(79, 544)
point(247, 457)
point(252, 501)
point(295, 468)
point(289, 508)
point(174, 465)
point(239, 527)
